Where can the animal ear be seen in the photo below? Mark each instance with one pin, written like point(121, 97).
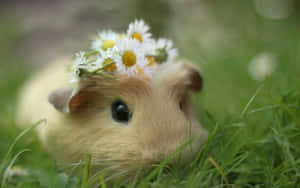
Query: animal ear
point(60, 99)
point(189, 76)
point(178, 75)
point(70, 100)
point(194, 77)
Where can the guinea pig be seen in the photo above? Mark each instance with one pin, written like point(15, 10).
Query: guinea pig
point(125, 123)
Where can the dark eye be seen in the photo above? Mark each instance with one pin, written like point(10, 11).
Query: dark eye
point(120, 111)
point(180, 105)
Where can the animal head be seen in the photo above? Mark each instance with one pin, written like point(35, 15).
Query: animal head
point(128, 123)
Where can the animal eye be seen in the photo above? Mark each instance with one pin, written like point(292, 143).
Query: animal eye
point(120, 112)
point(181, 105)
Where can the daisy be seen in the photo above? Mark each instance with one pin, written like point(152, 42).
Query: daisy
point(149, 47)
point(80, 62)
point(80, 58)
point(131, 58)
point(122, 36)
point(105, 40)
point(83, 63)
point(109, 57)
point(139, 30)
point(165, 53)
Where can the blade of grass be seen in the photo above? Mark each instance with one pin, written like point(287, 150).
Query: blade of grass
point(220, 170)
point(286, 108)
point(102, 182)
point(24, 132)
point(103, 172)
point(270, 107)
point(12, 162)
point(250, 101)
point(205, 146)
point(237, 162)
point(135, 180)
point(84, 183)
point(72, 171)
point(158, 170)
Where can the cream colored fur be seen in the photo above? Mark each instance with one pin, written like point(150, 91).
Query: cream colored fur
point(157, 128)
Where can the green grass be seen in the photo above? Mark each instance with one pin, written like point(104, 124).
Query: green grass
point(254, 126)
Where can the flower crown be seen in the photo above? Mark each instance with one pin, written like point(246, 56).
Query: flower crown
point(132, 53)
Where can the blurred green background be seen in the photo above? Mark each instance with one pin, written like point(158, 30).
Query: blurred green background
point(240, 46)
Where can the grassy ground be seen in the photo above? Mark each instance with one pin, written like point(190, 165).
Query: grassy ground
point(254, 125)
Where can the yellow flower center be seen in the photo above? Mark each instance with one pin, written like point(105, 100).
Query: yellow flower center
point(140, 70)
point(121, 36)
point(129, 59)
point(109, 44)
point(151, 60)
point(110, 68)
point(137, 36)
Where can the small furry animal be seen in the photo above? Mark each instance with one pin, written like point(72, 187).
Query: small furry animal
point(125, 124)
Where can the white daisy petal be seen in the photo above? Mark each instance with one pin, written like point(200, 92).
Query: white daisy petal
point(139, 30)
point(168, 53)
point(105, 40)
point(132, 56)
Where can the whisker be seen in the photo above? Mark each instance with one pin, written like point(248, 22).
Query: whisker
point(71, 165)
point(116, 175)
point(105, 169)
